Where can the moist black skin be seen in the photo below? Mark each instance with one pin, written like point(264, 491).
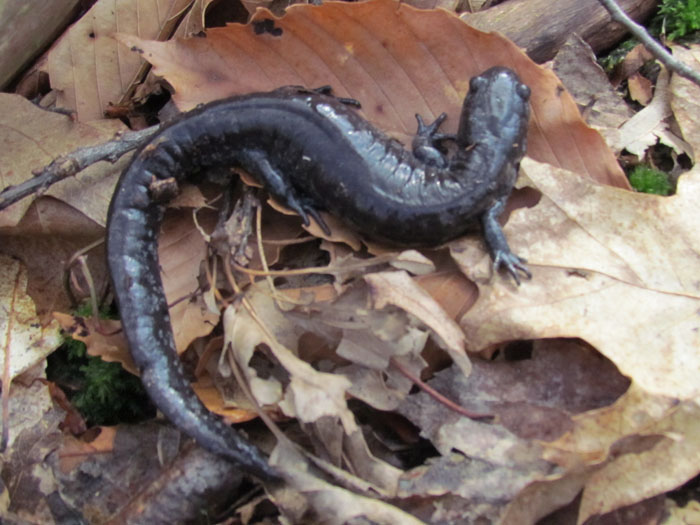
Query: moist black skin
point(312, 152)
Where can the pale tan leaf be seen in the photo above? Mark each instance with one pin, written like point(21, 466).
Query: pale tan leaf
point(616, 268)
point(686, 97)
point(624, 443)
point(643, 129)
point(310, 394)
point(640, 89)
point(33, 137)
point(46, 239)
point(193, 22)
point(413, 262)
point(332, 504)
point(25, 342)
point(398, 289)
point(87, 66)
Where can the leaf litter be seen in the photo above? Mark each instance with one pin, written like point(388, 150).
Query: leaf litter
point(611, 268)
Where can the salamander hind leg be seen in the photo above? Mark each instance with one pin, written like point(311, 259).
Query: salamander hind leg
point(257, 163)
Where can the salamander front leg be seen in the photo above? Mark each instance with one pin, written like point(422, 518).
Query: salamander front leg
point(257, 163)
point(427, 136)
point(498, 245)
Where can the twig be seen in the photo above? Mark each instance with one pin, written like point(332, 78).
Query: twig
point(656, 49)
point(70, 164)
point(437, 395)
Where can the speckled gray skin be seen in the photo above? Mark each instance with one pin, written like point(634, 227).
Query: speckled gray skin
point(312, 152)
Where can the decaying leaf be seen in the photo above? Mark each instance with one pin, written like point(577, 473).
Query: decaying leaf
point(25, 342)
point(34, 434)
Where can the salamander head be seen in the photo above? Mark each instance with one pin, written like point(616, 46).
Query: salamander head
point(496, 108)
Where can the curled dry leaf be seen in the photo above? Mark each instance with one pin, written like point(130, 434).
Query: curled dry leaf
point(398, 289)
point(311, 394)
point(331, 503)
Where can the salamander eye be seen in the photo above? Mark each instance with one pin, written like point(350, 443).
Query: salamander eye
point(523, 91)
point(477, 83)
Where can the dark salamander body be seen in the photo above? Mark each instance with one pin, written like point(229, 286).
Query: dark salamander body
point(312, 152)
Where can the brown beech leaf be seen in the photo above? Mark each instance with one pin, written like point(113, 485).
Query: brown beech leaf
point(396, 60)
point(32, 138)
point(89, 69)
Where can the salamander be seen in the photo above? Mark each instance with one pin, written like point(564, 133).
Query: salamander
point(312, 152)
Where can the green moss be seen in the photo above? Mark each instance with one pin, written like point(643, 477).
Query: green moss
point(677, 19)
point(649, 180)
point(104, 393)
point(617, 55)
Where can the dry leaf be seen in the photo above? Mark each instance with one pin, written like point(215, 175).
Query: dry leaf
point(644, 128)
point(640, 89)
point(423, 59)
point(46, 239)
point(398, 289)
point(332, 504)
point(25, 342)
point(181, 250)
point(599, 253)
point(577, 67)
point(685, 98)
point(35, 137)
point(29, 482)
point(105, 341)
point(619, 270)
point(87, 66)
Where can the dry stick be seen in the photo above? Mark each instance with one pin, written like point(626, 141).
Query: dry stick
point(656, 49)
point(437, 395)
point(70, 164)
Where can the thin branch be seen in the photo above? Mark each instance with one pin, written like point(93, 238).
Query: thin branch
point(437, 395)
point(656, 49)
point(68, 165)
